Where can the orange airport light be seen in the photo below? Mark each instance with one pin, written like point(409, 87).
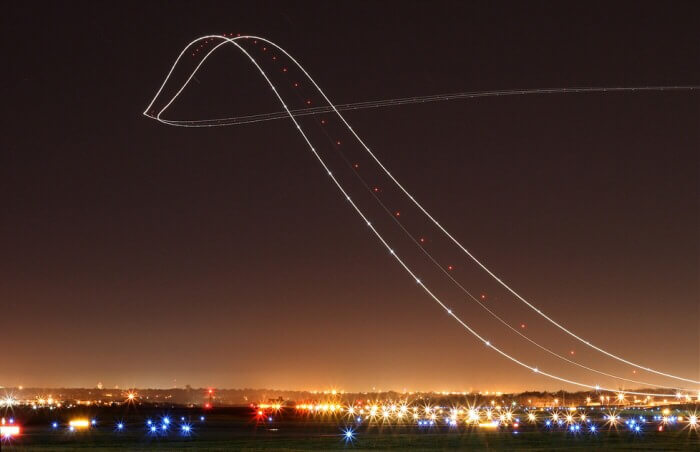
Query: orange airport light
point(489, 424)
point(79, 423)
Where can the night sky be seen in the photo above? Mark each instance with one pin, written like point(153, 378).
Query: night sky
point(137, 254)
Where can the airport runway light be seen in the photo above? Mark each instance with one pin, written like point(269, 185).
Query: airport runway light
point(9, 431)
point(79, 424)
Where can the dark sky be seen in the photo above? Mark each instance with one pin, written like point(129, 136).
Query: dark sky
point(137, 254)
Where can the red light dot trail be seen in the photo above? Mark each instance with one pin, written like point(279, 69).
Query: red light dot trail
point(376, 233)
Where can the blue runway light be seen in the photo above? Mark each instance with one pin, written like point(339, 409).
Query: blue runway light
point(148, 422)
point(153, 429)
point(120, 426)
point(93, 422)
point(166, 420)
point(348, 435)
point(186, 429)
point(54, 425)
point(201, 418)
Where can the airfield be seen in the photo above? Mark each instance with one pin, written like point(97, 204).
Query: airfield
point(146, 427)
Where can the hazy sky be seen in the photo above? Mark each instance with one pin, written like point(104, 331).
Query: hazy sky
point(137, 254)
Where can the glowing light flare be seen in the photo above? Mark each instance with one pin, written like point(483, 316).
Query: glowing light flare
point(489, 425)
point(79, 423)
point(348, 434)
point(9, 431)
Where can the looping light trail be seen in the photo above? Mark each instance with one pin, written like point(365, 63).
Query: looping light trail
point(225, 40)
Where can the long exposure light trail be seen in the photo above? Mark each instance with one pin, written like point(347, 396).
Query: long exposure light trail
point(357, 209)
point(248, 119)
point(447, 273)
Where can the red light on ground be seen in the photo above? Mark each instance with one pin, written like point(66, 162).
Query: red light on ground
point(661, 428)
point(284, 69)
point(398, 214)
point(308, 101)
point(571, 352)
point(375, 189)
point(260, 412)
point(522, 325)
point(356, 165)
point(323, 121)
point(422, 240)
point(296, 85)
point(207, 405)
point(483, 296)
point(9, 431)
point(450, 267)
point(338, 142)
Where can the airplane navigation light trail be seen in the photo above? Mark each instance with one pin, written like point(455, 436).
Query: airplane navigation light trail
point(293, 114)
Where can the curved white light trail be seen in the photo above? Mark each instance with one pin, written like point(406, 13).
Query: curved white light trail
point(226, 40)
point(248, 119)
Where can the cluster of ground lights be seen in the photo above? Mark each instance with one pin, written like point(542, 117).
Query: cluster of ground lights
point(418, 417)
point(163, 426)
point(507, 418)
